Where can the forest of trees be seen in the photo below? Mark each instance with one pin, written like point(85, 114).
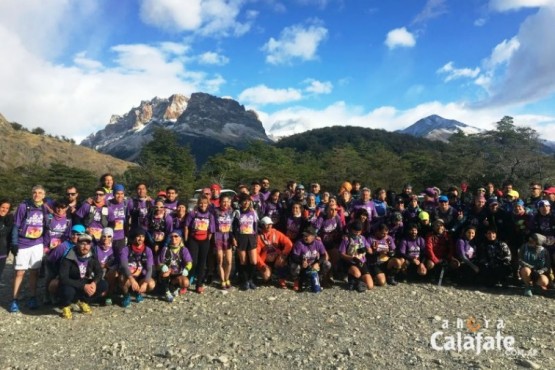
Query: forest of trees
point(329, 156)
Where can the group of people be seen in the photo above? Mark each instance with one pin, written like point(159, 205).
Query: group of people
point(117, 245)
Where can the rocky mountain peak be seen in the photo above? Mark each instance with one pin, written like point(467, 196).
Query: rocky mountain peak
point(204, 122)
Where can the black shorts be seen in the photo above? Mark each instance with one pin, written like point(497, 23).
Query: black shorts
point(246, 242)
point(378, 268)
point(362, 267)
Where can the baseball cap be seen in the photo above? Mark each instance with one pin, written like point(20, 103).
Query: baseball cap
point(309, 231)
point(78, 229)
point(266, 221)
point(513, 193)
point(300, 186)
point(84, 238)
point(215, 187)
point(544, 203)
point(424, 216)
point(439, 221)
point(161, 193)
point(443, 198)
point(550, 190)
point(107, 231)
point(119, 187)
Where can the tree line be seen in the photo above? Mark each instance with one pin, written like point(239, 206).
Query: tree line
point(328, 156)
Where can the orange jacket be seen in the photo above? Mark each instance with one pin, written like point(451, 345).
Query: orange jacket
point(273, 241)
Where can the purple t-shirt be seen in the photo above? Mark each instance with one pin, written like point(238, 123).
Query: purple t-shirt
point(369, 206)
point(95, 227)
point(136, 264)
point(57, 232)
point(223, 220)
point(310, 252)
point(412, 248)
point(329, 229)
point(160, 227)
point(31, 225)
point(58, 253)
point(350, 244)
point(176, 261)
point(274, 211)
point(117, 217)
point(384, 247)
point(465, 250)
point(137, 209)
point(105, 256)
point(246, 222)
point(293, 227)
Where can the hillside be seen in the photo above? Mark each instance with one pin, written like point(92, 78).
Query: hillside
point(321, 140)
point(22, 148)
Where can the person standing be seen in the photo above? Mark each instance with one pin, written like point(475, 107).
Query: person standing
point(27, 245)
point(6, 226)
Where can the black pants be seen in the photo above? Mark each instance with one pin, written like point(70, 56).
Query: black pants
point(492, 275)
point(2, 265)
point(199, 253)
point(69, 294)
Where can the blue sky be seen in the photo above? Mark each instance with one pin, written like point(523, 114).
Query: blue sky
point(67, 66)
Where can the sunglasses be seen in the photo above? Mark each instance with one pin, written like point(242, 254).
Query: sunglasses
point(106, 236)
point(176, 236)
point(71, 194)
point(535, 188)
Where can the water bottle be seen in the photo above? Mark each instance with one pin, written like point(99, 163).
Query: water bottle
point(315, 281)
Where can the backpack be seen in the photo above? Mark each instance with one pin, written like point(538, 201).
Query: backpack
point(90, 217)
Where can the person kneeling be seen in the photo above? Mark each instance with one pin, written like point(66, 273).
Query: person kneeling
point(174, 264)
point(535, 263)
point(309, 259)
point(80, 278)
point(353, 249)
point(136, 262)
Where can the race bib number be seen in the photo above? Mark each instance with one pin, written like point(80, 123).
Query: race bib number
point(201, 224)
point(225, 228)
point(135, 268)
point(118, 225)
point(54, 242)
point(33, 232)
point(95, 232)
point(246, 229)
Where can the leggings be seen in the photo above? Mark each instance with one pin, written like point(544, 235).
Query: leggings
point(199, 253)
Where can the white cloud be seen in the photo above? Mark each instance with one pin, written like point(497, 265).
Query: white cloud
point(453, 73)
point(299, 119)
point(295, 43)
point(502, 52)
point(530, 56)
point(318, 87)
point(399, 37)
point(432, 9)
point(204, 17)
point(79, 99)
point(213, 58)
point(504, 5)
point(480, 22)
point(262, 95)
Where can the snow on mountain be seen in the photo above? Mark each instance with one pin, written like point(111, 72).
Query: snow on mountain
point(435, 127)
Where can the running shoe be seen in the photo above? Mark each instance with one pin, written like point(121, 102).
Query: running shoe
point(199, 289)
point(282, 283)
point(296, 286)
point(182, 291)
point(108, 301)
point(391, 280)
point(66, 312)
point(126, 301)
point(168, 296)
point(84, 307)
point(251, 285)
point(32, 303)
point(361, 287)
point(14, 306)
point(139, 298)
point(245, 286)
point(528, 292)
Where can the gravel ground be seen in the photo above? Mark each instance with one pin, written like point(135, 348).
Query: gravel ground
point(269, 328)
